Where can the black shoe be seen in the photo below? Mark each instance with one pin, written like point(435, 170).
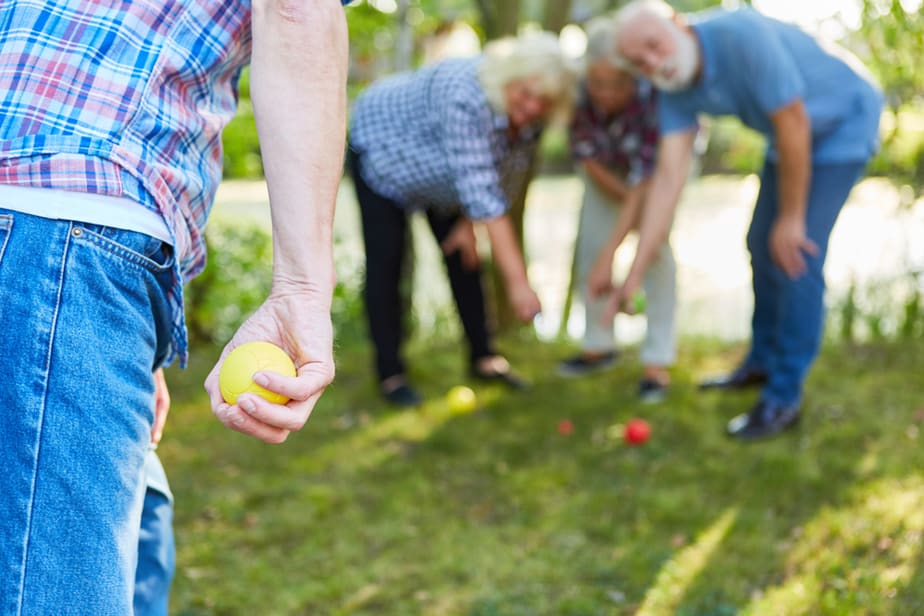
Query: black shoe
point(507, 377)
point(764, 419)
point(583, 364)
point(403, 395)
point(742, 378)
point(651, 391)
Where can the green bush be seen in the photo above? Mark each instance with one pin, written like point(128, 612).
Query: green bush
point(901, 160)
point(235, 281)
point(554, 151)
point(888, 309)
point(240, 145)
point(238, 278)
point(732, 148)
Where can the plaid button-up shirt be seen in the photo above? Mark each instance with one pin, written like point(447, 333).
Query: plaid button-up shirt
point(125, 99)
point(626, 142)
point(431, 139)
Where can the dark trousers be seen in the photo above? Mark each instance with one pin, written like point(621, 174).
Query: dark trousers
point(385, 234)
point(788, 319)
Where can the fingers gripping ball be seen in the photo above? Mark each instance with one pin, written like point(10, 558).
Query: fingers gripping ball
point(236, 375)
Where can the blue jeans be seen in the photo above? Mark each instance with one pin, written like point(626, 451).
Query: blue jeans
point(156, 547)
point(86, 322)
point(789, 314)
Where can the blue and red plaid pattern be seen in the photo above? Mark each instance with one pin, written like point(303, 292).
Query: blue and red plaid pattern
point(626, 142)
point(124, 98)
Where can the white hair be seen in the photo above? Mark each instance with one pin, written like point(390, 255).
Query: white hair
point(634, 9)
point(602, 43)
point(627, 15)
point(532, 55)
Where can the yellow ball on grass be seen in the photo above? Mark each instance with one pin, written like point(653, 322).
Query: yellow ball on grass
point(461, 399)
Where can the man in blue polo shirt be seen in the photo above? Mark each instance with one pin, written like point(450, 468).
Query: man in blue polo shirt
point(819, 111)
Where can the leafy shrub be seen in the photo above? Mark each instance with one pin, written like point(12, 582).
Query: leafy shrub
point(240, 145)
point(238, 278)
point(880, 310)
point(732, 148)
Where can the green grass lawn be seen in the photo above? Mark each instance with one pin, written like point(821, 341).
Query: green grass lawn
point(371, 510)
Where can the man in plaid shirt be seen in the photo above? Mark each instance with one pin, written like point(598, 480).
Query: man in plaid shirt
point(614, 138)
point(110, 153)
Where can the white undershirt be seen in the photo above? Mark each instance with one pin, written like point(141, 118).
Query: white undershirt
point(117, 212)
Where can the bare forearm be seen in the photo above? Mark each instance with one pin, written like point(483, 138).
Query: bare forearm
point(607, 181)
point(793, 141)
point(298, 88)
point(660, 200)
point(506, 251)
point(657, 216)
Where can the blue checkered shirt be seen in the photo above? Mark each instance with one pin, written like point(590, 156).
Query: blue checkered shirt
point(431, 139)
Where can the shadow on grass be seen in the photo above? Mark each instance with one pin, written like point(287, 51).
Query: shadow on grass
point(372, 511)
point(829, 518)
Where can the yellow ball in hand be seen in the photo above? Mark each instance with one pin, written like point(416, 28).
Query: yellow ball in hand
point(461, 399)
point(236, 375)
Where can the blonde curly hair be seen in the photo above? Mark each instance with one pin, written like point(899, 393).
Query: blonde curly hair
point(536, 56)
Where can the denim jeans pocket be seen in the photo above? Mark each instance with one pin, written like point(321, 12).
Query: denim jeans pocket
point(6, 224)
point(130, 247)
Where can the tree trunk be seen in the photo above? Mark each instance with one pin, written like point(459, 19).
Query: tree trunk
point(499, 17)
point(557, 14)
point(404, 43)
point(516, 192)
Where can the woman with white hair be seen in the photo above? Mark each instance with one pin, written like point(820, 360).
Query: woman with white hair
point(449, 139)
point(614, 138)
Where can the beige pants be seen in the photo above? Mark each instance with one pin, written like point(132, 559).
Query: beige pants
point(599, 215)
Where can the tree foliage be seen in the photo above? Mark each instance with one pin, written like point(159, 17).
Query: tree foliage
point(894, 40)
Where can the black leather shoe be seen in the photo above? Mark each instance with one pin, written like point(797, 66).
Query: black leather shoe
point(742, 378)
point(507, 377)
point(651, 391)
point(403, 395)
point(764, 419)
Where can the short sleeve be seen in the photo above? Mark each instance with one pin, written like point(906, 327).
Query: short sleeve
point(675, 113)
point(767, 67)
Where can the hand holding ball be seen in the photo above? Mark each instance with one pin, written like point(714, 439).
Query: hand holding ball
point(637, 303)
point(239, 366)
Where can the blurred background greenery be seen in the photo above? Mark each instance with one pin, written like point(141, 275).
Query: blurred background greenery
point(392, 35)
point(500, 512)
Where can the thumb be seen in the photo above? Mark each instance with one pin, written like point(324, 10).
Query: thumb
point(810, 247)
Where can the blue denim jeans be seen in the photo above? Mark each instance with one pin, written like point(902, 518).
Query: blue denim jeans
point(156, 547)
point(86, 322)
point(788, 319)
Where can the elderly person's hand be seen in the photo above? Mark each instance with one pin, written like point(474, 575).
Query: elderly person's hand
point(299, 323)
point(161, 405)
point(462, 240)
point(788, 242)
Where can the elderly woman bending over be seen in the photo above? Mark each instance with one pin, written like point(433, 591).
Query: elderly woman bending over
point(449, 139)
